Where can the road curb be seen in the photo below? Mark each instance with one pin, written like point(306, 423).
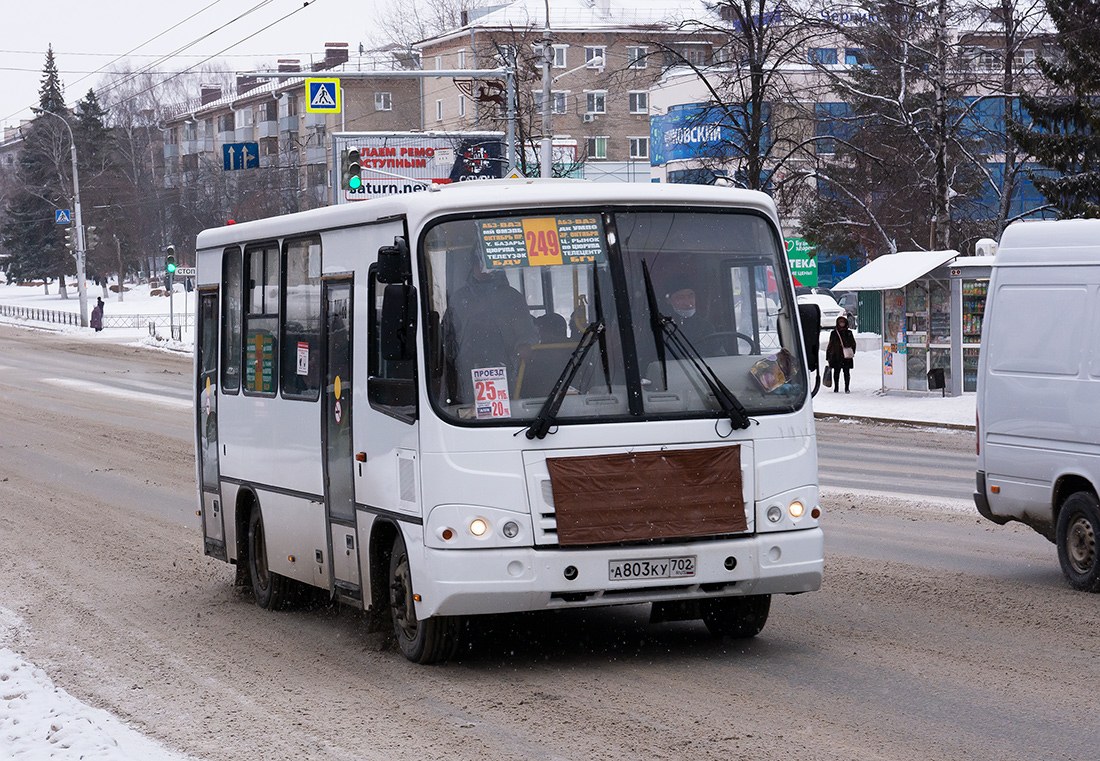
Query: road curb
point(892, 421)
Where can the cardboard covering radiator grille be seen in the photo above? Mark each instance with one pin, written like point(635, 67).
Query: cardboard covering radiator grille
point(641, 496)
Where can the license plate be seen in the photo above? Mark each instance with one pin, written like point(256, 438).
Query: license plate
point(652, 568)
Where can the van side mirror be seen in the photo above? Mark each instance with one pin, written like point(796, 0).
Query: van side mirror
point(397, 339)
point(810, 317)
point(393, 262)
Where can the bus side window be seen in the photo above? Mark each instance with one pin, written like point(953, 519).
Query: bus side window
point(232, 290)
point(261, 318)
point(301, 324)
point(391, 384)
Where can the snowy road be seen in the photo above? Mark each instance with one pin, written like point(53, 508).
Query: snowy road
point(936, 635)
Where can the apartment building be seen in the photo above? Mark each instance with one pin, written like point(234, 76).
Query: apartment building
point(292, 169)
point(604, 57)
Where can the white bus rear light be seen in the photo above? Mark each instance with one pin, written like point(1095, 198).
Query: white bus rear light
point(478, 527)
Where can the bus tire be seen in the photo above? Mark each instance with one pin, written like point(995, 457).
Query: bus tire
point(736, 617)
point(270, 589)
point(1077, 534)
point(429, 641)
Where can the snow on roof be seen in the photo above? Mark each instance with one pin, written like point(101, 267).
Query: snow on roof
point(1050, 241)
point(577, 15)
point(894, 270)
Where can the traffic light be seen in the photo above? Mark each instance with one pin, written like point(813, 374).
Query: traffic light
point(69, 242)
point(91, 238)
point(352, 169)
point(170, 261)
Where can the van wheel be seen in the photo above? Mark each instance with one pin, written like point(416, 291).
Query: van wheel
point(428, 641)
point(736, 617)
point(1077, 536)
point(270, 589)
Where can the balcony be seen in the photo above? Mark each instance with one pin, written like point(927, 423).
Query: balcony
point(267, 129)
point(316, 154)
point(289, 123)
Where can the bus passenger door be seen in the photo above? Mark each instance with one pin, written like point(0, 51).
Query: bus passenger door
point(206, 407)
point(339, 465)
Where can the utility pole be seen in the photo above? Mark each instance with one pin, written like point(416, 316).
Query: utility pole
point(77, 224)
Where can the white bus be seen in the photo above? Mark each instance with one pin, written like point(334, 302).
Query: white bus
point(510, 396)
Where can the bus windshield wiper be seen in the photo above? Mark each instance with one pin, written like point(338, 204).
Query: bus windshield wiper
point(665, 327)
point(596, 331)
point(540, 426)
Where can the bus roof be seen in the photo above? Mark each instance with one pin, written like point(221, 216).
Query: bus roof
point(487, 195)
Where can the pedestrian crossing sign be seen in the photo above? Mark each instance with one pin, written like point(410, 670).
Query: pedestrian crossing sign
point(323, 96)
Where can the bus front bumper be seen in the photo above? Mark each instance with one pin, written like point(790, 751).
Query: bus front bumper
point(473, 582)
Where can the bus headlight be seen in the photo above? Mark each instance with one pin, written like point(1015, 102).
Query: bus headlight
point(796, 509)
point(476, 527)
point(774, 514)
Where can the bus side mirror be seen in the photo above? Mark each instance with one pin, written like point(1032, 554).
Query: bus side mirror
point(393, 262)
point(397, 339)
point(810, 317)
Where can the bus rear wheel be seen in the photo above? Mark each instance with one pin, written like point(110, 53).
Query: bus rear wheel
point(1078, 534)
point(736, 617)
point(429, 641)
point(271, 589)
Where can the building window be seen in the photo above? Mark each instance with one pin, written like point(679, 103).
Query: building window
point(559, 61)
point(506, 55)
point(639, 147)
point(461, 105)
point(383, 101)
point(462, 59)
point(559, 102)
point(597, 147)
point(854, 56)
point(225, 123)
point(694, 55)
point(439, 110)
point(637, 57)
point(823, 56)
point(439, 63)
point(596, 102)
point(595, 56)
point(639, 102)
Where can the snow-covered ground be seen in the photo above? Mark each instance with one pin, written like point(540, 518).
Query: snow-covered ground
point(41, 721)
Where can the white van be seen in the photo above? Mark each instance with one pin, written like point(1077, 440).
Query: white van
point(1038, 406)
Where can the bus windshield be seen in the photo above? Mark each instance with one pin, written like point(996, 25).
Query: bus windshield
point(634, 313)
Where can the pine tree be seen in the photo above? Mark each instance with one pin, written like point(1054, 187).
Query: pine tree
point(1064, 134)
point(34, 244)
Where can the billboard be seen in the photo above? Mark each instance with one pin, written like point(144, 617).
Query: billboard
point(408, 162)
point(803, 260)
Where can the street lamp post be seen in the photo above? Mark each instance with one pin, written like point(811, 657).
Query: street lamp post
point(77, 225)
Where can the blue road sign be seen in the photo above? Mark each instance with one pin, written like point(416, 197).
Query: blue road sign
point(323, 96)
point(240, 156)
point(62, 217)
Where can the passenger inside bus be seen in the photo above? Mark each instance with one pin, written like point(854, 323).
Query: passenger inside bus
point(487, 325)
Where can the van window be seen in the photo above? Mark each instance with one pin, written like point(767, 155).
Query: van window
point(1040, 330)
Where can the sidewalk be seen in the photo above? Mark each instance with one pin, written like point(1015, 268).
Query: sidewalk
point(869, 401)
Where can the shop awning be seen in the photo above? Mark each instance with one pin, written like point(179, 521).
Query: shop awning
point(892, 271)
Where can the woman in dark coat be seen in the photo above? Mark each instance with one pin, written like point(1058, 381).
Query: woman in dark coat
point(840, 339)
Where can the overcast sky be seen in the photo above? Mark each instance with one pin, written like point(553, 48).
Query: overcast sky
point(89, 34)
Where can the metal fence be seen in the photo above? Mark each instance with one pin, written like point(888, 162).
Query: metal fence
point(41, 315)
point(109, 320)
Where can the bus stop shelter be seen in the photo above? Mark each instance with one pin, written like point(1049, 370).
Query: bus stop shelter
point(931, 309)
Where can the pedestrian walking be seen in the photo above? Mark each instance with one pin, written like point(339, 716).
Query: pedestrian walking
point(97, 314)
point(840, 354)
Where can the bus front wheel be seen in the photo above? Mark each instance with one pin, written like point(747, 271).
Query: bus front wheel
point(1078, 533)
point(736, 617)
point(434, 639)
point(271, 589)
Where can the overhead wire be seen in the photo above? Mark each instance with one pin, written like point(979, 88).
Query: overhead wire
point(160, 59)
point(283, 18)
